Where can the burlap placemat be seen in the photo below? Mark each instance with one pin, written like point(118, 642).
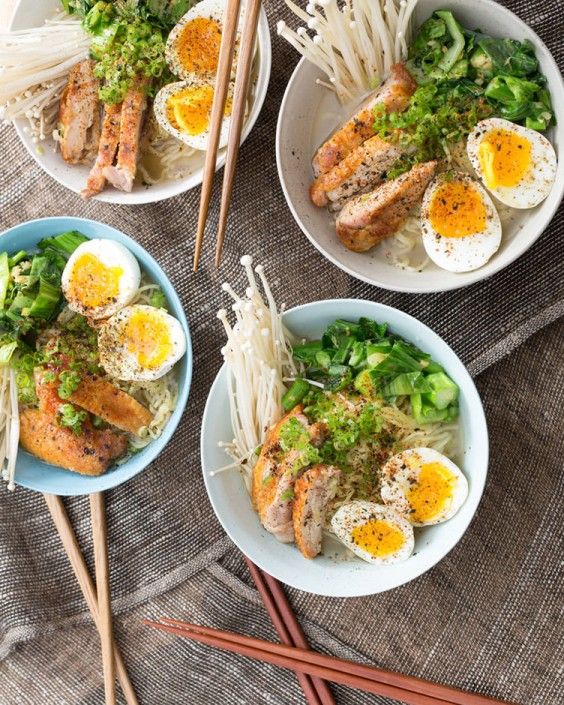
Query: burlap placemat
point(485, 618)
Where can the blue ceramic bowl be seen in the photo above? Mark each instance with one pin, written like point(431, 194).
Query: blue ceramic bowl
point(34, 473)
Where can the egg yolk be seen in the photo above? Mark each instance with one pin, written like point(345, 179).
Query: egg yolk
point(432, 492)
point(197, 46)
point(189, 110)
point(92, 283)
point(378, 537)
point(505, 158)
point(457, 210)
point(148, 338)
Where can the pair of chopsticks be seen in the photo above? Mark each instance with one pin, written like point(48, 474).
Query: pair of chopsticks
point(97, 598)
point(223, 78)
point(316, 690)
point(406, 689)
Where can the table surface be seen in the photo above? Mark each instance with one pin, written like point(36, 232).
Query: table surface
point(486, 618)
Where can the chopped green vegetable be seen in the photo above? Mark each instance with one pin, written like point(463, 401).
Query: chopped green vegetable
point(443, 391)
point(294, 436)
point(71, 417)
point(463, 77)
point(376, 364)
point(407, 383)
point(157, 298)
point(295, 394)
point(128, 44)
point(4, 277)
point(364, 383)
point(69, 381)
point(47, 301)
point(454, 52)
point(17, 258)
point(65, 243)
point(306, 353)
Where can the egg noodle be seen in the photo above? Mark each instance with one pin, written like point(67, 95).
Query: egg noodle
point(258, 357)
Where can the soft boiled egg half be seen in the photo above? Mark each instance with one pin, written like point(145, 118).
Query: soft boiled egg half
point(140, 343)
point(515, 163)
point(460, 226)
point(373, 532)
point(424, 486)
point(193, 44)
point(100, 277)
point(183, 110)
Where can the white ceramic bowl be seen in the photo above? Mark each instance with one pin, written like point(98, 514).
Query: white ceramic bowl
point(309, 113)
point(327, 575)
point(30, 13)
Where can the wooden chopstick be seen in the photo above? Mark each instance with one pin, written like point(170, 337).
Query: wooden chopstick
point(315, 690)
point(78, 564)
point(223, 78)
point(408, 689)
point(242, 79)
point(100, 539)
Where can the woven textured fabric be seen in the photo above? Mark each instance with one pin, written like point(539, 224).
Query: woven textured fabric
point(485, 618)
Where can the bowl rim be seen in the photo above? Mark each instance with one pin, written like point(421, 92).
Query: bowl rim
point(104, 481)
point(470, 277)
point(153, 194)
point(478, 423)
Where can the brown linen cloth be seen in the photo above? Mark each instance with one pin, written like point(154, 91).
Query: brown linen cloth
point(485, 618)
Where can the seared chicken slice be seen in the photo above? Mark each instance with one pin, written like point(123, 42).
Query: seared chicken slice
point(394, 94)
point(366, 220)
point(312, 491)
point(122, 174)
point(362, 168)
point(106, 151)
point(99, 397)
point(273, 481)
point(91, 453)
point(79, 114)
point(116, 407)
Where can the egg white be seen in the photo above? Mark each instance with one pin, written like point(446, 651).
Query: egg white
point(536, 184)
point(360, 512)
point(460, 254)
point(110, 254)
point(402, 471)
point(123, 364)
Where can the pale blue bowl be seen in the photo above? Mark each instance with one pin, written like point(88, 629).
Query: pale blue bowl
point(34, 473)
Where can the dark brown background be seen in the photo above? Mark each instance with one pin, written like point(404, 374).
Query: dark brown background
point(486, 618)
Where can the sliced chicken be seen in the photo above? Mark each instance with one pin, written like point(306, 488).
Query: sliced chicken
point(367, 219)
point(99, 397)
point(394, 94)
point(273, 481)
point(79, 115)
point(106, 151)
point(91, 453)
point(361, 169)
point(312, 492)
point(122, 174)
point(116, 407)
